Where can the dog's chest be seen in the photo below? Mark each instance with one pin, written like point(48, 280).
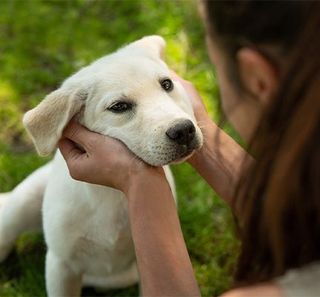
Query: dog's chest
point(107, 246)
point(87, 225)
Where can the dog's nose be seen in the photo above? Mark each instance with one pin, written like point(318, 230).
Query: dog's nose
point(182, 132)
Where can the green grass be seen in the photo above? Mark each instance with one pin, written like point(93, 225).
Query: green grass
point(43, 42)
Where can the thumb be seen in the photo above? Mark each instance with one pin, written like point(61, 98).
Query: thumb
point(79, 136)
point(69, 150)
point(75, 158)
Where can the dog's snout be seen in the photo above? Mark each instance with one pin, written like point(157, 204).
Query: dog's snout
point(182, 133)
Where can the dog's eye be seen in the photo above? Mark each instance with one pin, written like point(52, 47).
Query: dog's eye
point(167, 84)
point(120, 106)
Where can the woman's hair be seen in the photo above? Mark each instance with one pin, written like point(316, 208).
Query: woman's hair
point(278, 198)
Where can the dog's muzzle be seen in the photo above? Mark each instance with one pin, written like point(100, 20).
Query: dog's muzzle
point(183, 135)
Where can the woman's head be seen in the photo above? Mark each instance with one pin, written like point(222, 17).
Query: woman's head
point(250, 43)
point(267, 59)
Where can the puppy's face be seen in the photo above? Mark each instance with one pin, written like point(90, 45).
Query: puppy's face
point(130, 96)
point(135, 101)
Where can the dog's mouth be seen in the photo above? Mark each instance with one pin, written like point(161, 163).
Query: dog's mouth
point(183, 157)
point(173, 158)
point(170, 153)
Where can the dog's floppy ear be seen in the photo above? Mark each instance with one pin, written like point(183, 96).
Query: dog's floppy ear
point(45, 122)
point(153, 44)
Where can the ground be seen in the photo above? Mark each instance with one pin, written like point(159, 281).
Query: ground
point(43, 42)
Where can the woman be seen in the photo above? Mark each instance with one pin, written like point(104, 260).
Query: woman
point(267, 59)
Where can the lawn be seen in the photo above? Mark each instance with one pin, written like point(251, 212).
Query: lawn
point(43, 42)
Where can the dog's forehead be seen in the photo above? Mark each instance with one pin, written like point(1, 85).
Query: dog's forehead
point(125, 74)
point(132, 67)
point(129, 73)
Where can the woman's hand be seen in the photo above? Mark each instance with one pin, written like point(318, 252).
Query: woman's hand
point(199, 109)
point(99, 159)
point(203, 119)
point(220, 160)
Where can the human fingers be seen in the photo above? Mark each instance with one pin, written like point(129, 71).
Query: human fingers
point(174, 75)
point(194, 96)
point(188, 86)
point(69, 150)
point(75, 157)
point(80, 135)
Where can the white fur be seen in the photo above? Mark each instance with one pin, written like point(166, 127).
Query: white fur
point(86, 226)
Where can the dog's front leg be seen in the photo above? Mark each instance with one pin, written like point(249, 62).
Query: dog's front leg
point(61, 280)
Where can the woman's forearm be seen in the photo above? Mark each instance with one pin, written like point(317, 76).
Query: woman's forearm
point(220, 161)
point(163, 261)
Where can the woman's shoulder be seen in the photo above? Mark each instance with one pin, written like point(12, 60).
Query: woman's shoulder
point(303, 281)
point(266, 289)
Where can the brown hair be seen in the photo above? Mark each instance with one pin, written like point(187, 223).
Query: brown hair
point(278, 198)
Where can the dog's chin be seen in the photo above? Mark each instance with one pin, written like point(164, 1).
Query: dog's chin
point(182, 158)
point(176, 160)
point(176, 156)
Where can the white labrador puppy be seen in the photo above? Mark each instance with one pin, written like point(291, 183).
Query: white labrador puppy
point(127, 95)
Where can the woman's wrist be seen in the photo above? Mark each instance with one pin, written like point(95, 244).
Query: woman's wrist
point(141, 175)
point(220, 161)
point(156, 231)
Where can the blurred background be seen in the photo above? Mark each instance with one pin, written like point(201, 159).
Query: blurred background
point(42, 43)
